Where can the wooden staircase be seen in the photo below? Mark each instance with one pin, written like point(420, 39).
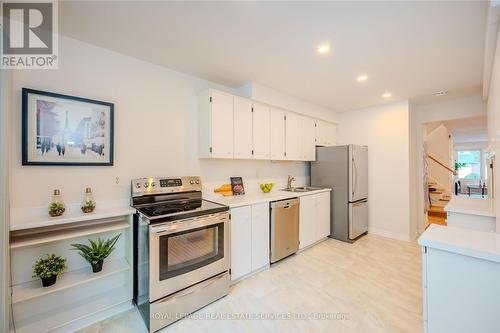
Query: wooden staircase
point(439, 198)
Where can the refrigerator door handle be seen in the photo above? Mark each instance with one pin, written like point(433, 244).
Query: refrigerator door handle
point(355, 176)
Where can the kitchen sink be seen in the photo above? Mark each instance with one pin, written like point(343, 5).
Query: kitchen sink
point(302, 189)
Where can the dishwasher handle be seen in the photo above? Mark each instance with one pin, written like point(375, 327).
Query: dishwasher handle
point(285, 204)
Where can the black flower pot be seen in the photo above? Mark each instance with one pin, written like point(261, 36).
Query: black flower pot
point(48, 281)
point(97, 267)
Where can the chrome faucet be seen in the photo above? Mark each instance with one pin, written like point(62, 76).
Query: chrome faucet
point(289, 182)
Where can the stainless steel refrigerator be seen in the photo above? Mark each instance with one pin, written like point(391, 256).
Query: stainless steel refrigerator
point(344, 169)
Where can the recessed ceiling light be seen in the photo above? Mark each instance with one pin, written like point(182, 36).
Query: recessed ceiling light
point(362, 77)
point(440, 93)
point(387, 95)
point(323, 48)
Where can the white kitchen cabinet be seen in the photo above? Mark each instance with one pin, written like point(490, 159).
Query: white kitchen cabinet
point(234, 127)
point(460, 292)
point(307, 138)
point(321, 133)
point(241, 241)
point(326, 133)
point(293, 150)
point(314, 223)
point(261, 132)
point(243, 128)
point(249, 239)
point(331, 134)
point(307, 221)
point(216, 125)
point(277, 134)
point(323, 215)
point(260, 235)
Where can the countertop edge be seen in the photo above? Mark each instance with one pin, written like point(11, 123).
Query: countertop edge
point(273, 196)
point(472, 243)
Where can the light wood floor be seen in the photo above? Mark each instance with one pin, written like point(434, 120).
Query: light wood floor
point(376, 282)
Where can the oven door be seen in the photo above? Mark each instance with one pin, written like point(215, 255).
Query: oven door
point(186, 252)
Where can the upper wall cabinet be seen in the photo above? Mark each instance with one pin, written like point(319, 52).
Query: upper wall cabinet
point(326, 133)
point(239, 128)
point(261, 132)
point(277, 134)
point(243, 128)
point(299, 137)
point(216, 125)
point(293, 147)
point(307, 139)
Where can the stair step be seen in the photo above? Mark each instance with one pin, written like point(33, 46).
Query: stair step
point(437, 211)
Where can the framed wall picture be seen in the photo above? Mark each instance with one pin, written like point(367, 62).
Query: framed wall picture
point(237, 185)
point(65, 130)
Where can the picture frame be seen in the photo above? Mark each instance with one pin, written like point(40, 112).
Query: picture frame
point(63, 130)
point(237, 185)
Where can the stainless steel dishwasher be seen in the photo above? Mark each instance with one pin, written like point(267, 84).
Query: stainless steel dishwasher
point(284, 228)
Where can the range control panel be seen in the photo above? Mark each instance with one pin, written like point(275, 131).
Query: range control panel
point(159, 185)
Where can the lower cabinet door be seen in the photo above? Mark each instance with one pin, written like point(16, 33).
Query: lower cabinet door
point(323, 211)
point(241, 241)
point(260, 235)
point(307, 222)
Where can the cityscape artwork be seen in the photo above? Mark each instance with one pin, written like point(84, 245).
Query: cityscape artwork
point(66, 130)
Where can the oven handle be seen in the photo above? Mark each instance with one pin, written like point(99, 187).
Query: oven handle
point(187, 224)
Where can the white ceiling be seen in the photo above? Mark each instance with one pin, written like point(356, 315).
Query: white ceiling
point(410, 49)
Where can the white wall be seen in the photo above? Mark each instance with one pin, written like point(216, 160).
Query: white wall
point(493, 107)
point(271, 96)
point(470, 145)
point(458, 108)
point(439, 146)
point(5, 92)
point(385, 130)
point(155, 129)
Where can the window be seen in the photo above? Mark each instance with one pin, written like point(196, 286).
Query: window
point(469, 162)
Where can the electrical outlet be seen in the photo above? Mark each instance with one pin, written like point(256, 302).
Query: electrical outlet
point(117, 180)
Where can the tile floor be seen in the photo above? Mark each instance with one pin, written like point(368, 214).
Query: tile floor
point(373, 285)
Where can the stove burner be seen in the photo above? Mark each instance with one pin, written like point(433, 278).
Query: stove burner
point(172, 207)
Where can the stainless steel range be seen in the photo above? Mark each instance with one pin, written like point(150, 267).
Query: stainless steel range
point(181, 249)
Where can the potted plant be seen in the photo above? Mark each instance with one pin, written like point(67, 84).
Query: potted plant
point(56, 207)
point(97, 251)
point(88, 203)
point(49, 268)
point(458, 166)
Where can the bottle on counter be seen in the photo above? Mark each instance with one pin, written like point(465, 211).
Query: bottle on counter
point(56, 206)
point(88, 202)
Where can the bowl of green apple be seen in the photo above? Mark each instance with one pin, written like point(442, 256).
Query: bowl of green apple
point(266, 187)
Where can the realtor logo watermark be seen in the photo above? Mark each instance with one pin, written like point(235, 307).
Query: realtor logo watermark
point(29, 35)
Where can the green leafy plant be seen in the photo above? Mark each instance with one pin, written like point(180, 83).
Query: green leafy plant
point(49, 266)
point(97, 251)
point(89, 206)
point(56, 209)
point(458, 166)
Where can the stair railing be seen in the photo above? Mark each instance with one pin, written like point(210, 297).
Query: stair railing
point(442, 164)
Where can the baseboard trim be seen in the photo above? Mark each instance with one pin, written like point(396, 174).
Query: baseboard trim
point(389, 234)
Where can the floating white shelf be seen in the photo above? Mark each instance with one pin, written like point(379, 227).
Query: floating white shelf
point(38, 217)
point(60, 234)
point(55, 319)
point(29, 290)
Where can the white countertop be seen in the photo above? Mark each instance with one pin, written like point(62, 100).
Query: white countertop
point(472, 206)
point(472, 243)
point(37, 217)
point(254, 198)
